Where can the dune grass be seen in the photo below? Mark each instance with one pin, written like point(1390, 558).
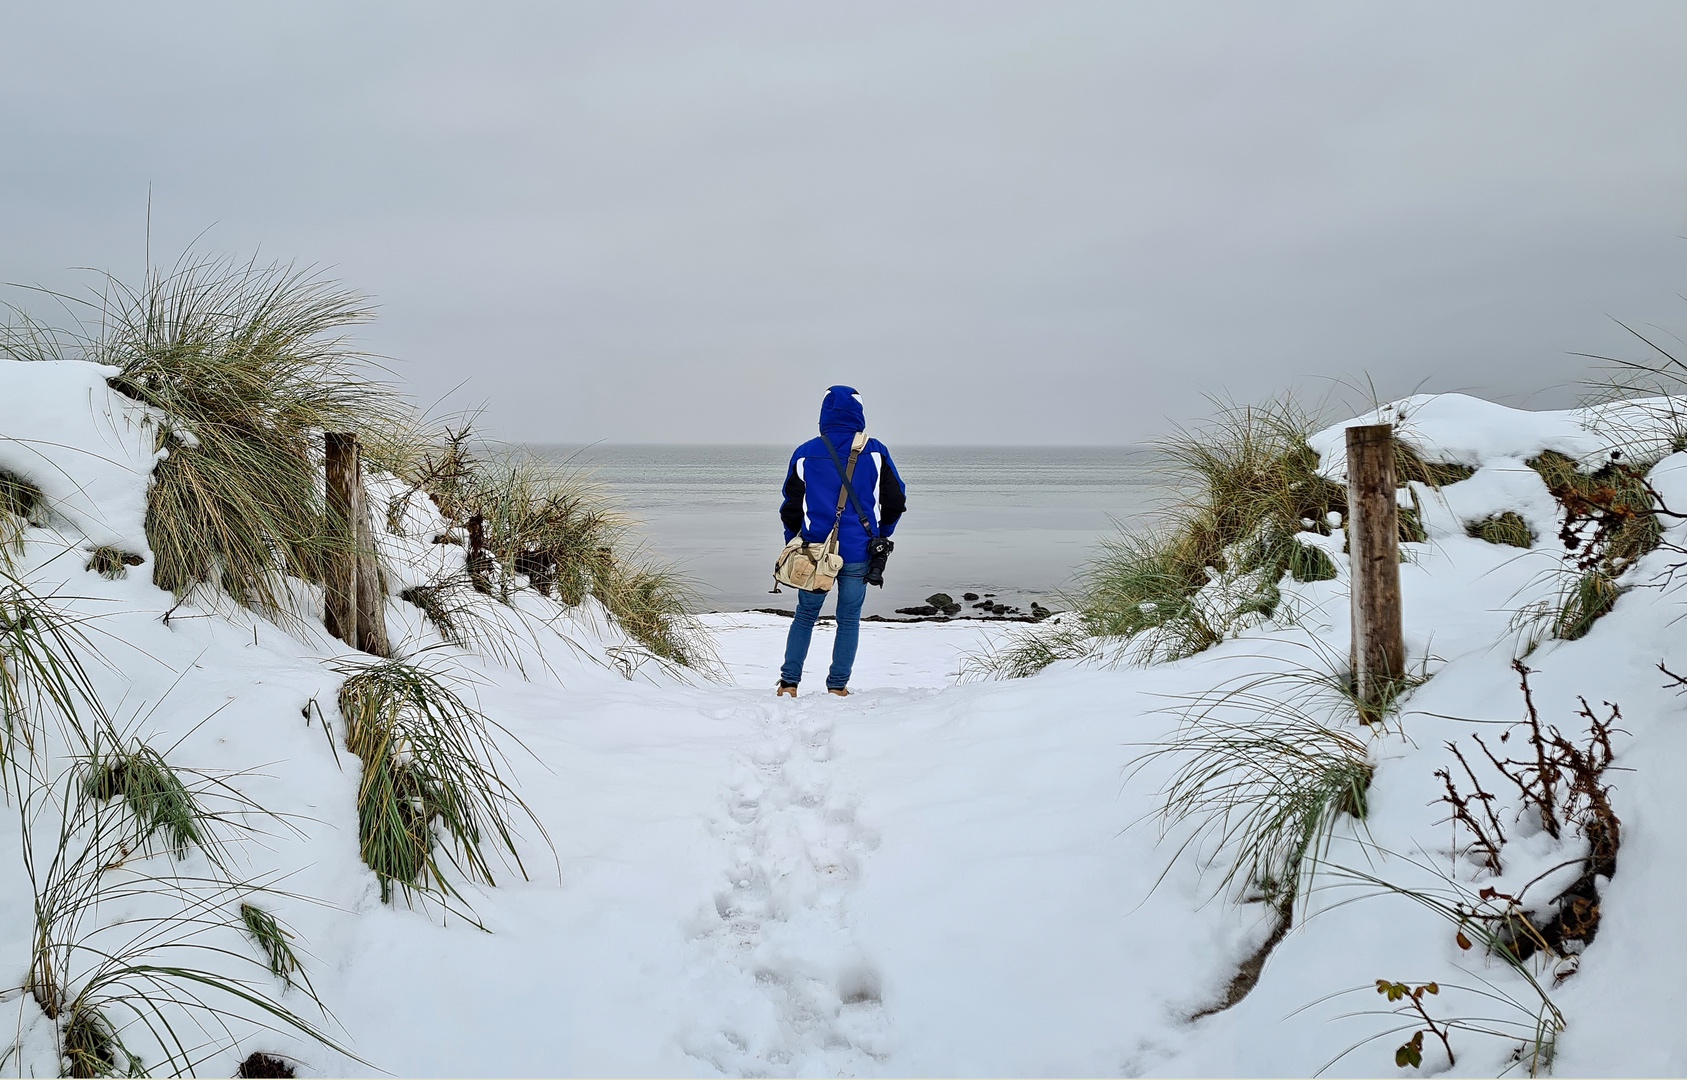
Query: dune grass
point(429, 763)
point(1504, 528)
point(1583, 600)
point(1030, 650)
point(1250, 488)
point(1253, 488)
point(20, 503)
point(42, 682)
point(528, 522)
point(249, 364)
point(453, 604)
point(1252, 493)
point(162, 968)
point(163, 807)
point(1264, 769)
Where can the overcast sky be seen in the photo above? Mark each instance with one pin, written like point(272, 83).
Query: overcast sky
point(1029, 222)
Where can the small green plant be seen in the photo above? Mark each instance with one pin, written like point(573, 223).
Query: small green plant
point(20, 501)
point(1411, 523)
point(1486, 918)
point(273, 940)
point(1308, 563)
point(1410, 466)
point(1410, 1054)
point(1505, 528)
point(162, 805)
point(428, 757)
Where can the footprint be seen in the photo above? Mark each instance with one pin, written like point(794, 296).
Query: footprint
point(860, 984)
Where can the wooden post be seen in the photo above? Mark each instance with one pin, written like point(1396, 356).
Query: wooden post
point(354, 610)
point(339, 570)
point(1373, 540)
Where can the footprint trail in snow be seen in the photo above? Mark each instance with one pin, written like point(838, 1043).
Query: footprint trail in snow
point(793, 994)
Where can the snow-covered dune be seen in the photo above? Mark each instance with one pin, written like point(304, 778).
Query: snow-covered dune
point(929, 877)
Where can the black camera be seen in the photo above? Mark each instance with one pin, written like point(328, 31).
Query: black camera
point(878, 552)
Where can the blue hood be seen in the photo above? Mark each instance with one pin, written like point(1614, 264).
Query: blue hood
point(841, 415)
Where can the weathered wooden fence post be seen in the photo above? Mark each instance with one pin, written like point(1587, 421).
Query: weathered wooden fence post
point(1373, 539)
point(351, 577)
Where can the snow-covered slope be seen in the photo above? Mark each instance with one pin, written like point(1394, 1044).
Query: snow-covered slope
point(928, 877)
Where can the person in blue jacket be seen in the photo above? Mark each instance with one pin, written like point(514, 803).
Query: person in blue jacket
point(812, 485)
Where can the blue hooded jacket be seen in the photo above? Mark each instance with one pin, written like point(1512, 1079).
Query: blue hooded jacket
point(812, 481)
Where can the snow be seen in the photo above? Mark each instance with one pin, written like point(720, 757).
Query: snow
point(1463, 430)
point(86, 447)
point(929, 877)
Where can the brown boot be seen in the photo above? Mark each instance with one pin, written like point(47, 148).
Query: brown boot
point(785, 689)
point(838, 690)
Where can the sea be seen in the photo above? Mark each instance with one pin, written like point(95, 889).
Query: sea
point(1010, 522)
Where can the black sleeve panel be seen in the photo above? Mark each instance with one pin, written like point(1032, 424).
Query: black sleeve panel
point(790, 511)
point(893, 497)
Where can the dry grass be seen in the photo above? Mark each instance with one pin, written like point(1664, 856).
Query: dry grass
point(20, 504)
point(526, 521)
point(249, 365)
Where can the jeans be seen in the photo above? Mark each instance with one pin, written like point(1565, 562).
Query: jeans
point(851, 590)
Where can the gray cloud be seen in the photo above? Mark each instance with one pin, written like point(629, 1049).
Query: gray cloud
point(1003, 222)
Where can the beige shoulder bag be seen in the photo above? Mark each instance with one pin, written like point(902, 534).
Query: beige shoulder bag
point(814, 567)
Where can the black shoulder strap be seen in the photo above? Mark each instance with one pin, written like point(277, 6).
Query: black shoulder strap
point(848, 491)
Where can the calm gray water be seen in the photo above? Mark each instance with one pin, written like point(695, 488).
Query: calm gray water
point(1015, 521)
